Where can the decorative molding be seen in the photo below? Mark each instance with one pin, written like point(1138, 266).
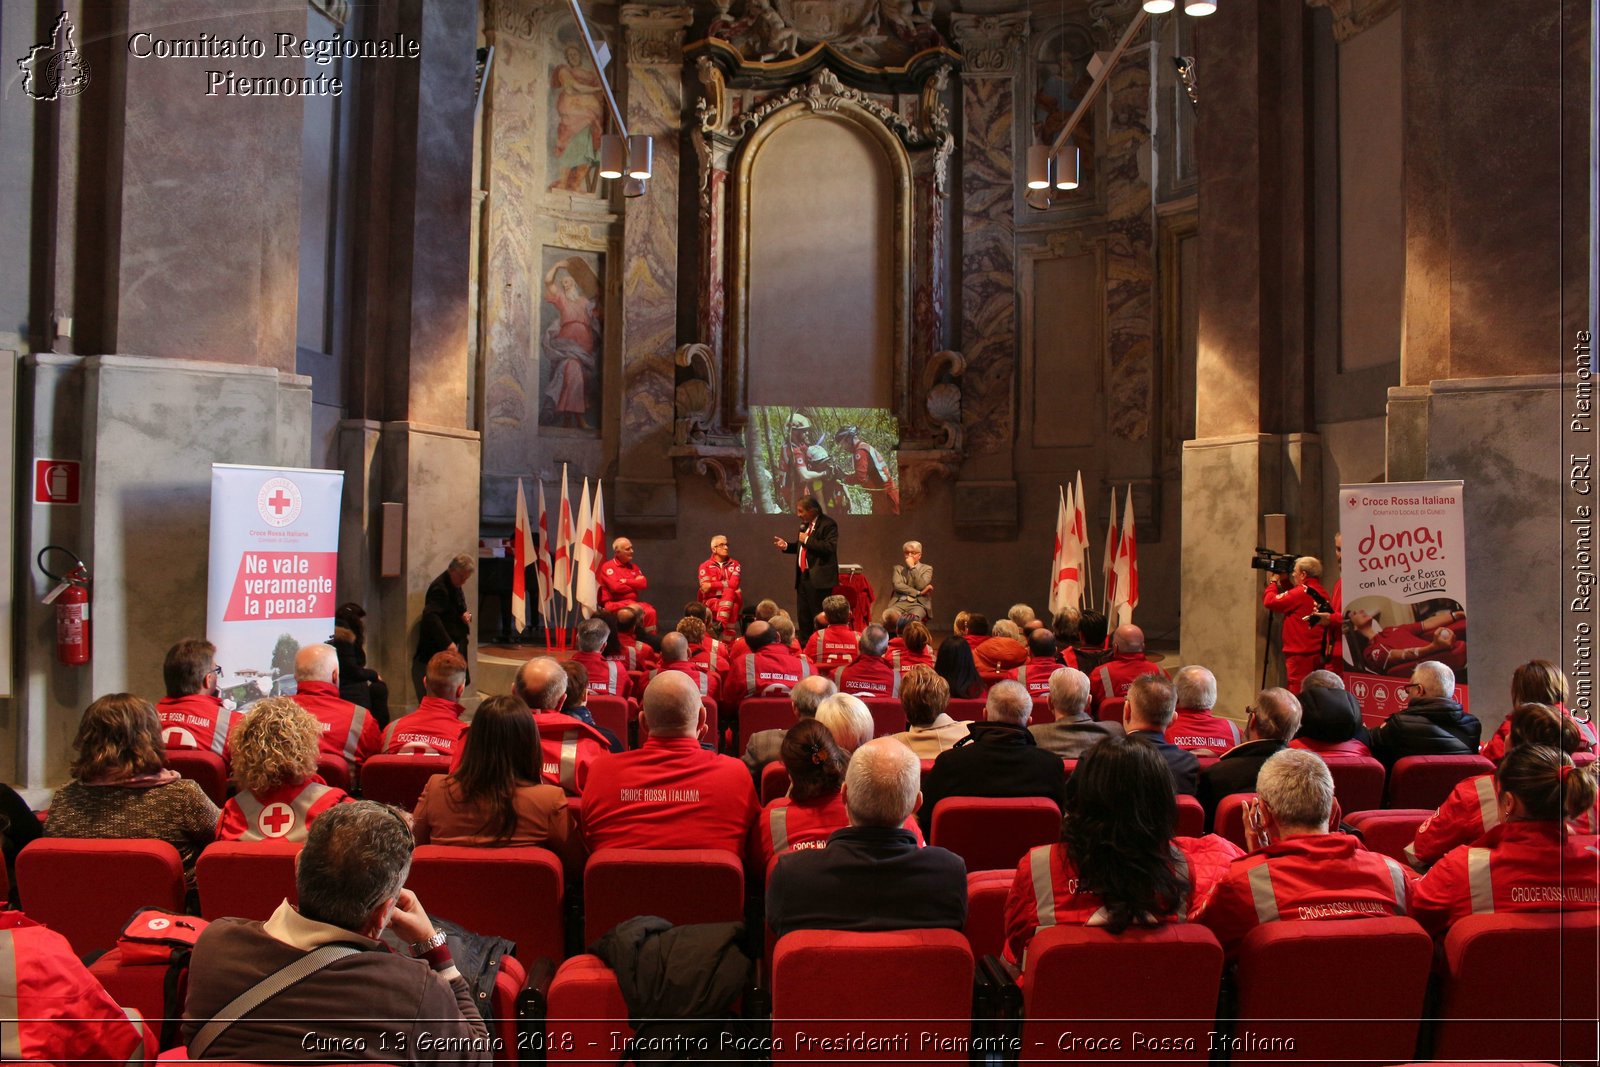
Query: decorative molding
point(579, 236)
point(518, 18)
point(991, 45)
point(724, 466)
point(337, 11)
point(653, 35)
point(825, 92)
point(1352, 17)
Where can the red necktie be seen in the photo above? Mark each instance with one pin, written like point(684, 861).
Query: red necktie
point(803, 544)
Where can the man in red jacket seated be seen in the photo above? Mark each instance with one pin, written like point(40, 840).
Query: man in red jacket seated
point(1127, 662)
point(607, 676)
point(192, 713)
point(770, 669)
point(705, 650)
point(1042, 663)
point(621, 582)
point(1195, 727)
point(670, 792)
point(838, 643)
point(348, 730)
point(567, 745)
point(637, 654)
point(52, 1010)
point(1300, 871)
point(438, 724)
point(871, 675)
point(675, 657)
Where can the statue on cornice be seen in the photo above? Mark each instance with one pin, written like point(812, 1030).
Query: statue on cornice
point(873, 32)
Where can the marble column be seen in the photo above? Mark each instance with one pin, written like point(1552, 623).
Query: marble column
point(986, 505)
point(646, 493)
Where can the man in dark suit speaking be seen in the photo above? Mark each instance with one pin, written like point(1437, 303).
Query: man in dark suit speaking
point(816, 569)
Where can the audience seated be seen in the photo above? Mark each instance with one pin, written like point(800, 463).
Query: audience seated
point(348, 731)
point(637, 651)
point(675, 656)
point(873, 874)
point(575, 704)
point(1118, 862)
point(1473, 807)
point(848, 719)
point(765, 611)
point(977, 630)
point(923, 697)
point(606, 675)
point(1114, 677)
point(836, 644)
point(1330, 718)
point(1064, 627)
point(1151, 705)
point(435, 728)
point(1537, 682)
point(768, 669)
point(1004, 650)
point(1024, 618)
point(871, 675)
point(495, 797)
point(670, 792)
point(1091, 647)
point(275, 765)
point(704, 650)
point(18, 827)
point(349, 880)
point(783, 626)
point(956, 666)
point(192, 713)
point(1272, 722)
point(1073, 732)
point(1195, 727)
point(1041, 664)
point(1431, 723)
point(915, 641)
point(997, 758)
point(765, 746)
point(358, 683)
point(1533, 860)
point(1298, 870)
point(567, 745)
point(120, 789)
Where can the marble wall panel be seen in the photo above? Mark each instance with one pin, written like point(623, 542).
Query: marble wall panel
point(1130, 255)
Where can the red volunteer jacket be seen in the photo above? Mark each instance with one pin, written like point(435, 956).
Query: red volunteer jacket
point(788, 826)
point(198, 720)
point(1000, 654)
point(620, 583)
point(1300, 638)
point(1045, 891)
point(282, 814)
point(1496, 748)
point(1035, 674)
point(903, 659)
point(1114, 677)
point(710, 685)
point(1313, 876)
point(722, 594)
point(869, 676)
point(636, 654)
point(608, 676)
point(1202, 730)
point(567, 747)
point(54, 1009)
point(770, 671)
point(1524, 865)
point(348, 731)
point(833, 646)
point(668, 793)
point(434, 729)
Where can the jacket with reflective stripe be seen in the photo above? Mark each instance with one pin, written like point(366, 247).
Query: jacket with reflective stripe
point(869, 676)
point(903, 659)
point(1035, 674)
point(609, 676)
point(53, 1010)
point(1470, 811)
point(281, 814)
point(1523, 865)
point(566, 748)
point(788, 826)
point(198, 720)
point(435, 728)
point(833, 646)
point(772, 670)
point(348, 730)
point(1193, 729)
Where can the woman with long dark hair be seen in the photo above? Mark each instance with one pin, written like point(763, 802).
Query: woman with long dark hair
point(955, 665)
point(496, 797)
point(1118, 862)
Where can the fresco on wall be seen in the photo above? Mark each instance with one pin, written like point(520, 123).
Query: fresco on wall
point(578, 104)
point(571, 340)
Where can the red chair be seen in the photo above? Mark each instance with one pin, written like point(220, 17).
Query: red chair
point(1110, 709)
point(585, 1012)
point(837, 984)
point(680, 885)
point(774, 782)
point(1079, 977)
point(927, 765)
point(246, 879)
point(637, 680)
point(966, 709)
point(204, 768)
point(334, 770)
point(1357, 782)
point(1042, 711)
point(85, 888)
point(1520, 986)
point(1389, 830)
point(1425, 781)
point(1068, 765)
point(1366, 1001)
point(612, 713)
point(515, 893)
point(398, 780)
point(1191, 816)
point(994, 833)
point(888, 717)
point(986, 911)
point(763, 713)
point(1229, 822)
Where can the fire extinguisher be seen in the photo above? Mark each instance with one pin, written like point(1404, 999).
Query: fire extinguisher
point(71, 598)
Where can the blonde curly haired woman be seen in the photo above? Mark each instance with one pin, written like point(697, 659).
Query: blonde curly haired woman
point(275, 765)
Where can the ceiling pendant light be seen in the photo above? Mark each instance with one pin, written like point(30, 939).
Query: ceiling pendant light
point(1067, 166)
point(1039, 166)
point(613, 156)
point(1159, 7)
point(640, 148)
point(1199, 8)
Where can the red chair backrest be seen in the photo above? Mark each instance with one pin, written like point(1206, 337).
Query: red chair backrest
point(1191, 816)
point(774, 782)
point(1520, 986)
point(888, 717)
point(1357, 782)
point(1042, 711)
point(1110, 709)
point(1425, 781)
point(986, 911)
point(612, 713)
point(1229, 822)
point(763, 713)
point(205, 769)
point(680, 885)
point(966, 709)
point(584, 1011)
point(1366, 1003)
point(399, 779)
point(514, 893)
point(994, 833)
point(85, 888)
point(334, 770)
point(838, 984)
point(1078, 977)
point(1389, 830)
point(246, 879)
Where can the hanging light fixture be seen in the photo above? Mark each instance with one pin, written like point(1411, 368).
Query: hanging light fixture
point(1039, 166)
point(613, 156)
point(1159, 7)
point(633, 187)
point(1199, 8)
point(1038, 199)
point(1067, 166)
point(640, 148)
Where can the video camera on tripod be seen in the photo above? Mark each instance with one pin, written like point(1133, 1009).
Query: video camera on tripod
point(1266, 559)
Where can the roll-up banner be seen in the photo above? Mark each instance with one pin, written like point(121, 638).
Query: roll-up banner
point(1405, 589)
point(273, 572)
